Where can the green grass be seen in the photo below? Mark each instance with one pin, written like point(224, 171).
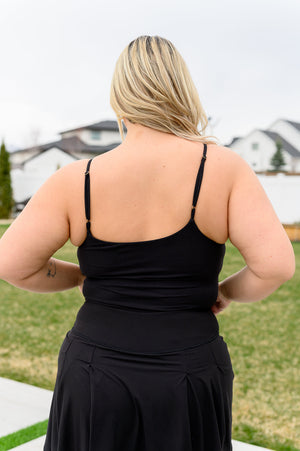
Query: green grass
point(23, 436)
point(263, 340)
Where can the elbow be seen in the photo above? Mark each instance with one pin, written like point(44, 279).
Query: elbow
point(6, 277)
point(3, 274)
point(290, 264)
point(279, 269)
point(6, 273)
point(287, 269)
point(10, 274)
point(286, 262)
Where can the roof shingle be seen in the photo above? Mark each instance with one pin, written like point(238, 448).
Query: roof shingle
point(295, 124)
point(98, 126)
point(285, 144)
point(71, 145)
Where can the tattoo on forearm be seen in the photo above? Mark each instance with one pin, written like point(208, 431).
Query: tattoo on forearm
point(51, 269)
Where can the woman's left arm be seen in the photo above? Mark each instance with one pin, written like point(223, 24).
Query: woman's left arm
point(42, 228)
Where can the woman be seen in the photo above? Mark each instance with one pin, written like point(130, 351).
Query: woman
point(144, 367)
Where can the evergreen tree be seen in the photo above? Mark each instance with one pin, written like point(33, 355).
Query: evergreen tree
point(277, 161)
point(6, 198)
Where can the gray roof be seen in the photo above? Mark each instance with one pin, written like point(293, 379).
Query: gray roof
point(295, 124)
point(70, 145)
point(98, 126)
point(285, 144)
point(74, 144)
point(234, 139)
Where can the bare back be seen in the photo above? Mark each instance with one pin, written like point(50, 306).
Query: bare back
point(145, 194)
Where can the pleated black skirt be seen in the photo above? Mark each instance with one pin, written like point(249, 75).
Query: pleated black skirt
point(109, 400)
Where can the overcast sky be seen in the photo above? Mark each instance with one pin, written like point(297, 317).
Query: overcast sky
point(57, 58)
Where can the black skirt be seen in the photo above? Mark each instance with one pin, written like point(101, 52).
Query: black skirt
point(110, 400)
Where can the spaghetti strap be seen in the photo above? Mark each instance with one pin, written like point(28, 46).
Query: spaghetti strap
point(198, 181)
point(87, 202)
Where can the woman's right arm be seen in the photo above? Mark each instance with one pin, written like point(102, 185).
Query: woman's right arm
point(255, 230)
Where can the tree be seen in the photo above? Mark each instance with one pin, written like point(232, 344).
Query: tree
point(277, 161)
point(6, 198)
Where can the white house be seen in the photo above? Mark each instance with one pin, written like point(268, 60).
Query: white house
point(99, 134)
point(289, 130)
point(258, 147)
point(32, 166)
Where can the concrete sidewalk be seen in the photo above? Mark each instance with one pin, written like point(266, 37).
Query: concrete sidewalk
point(22, 405)
point(37, 445)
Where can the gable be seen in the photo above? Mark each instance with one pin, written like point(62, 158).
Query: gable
point(48, 161)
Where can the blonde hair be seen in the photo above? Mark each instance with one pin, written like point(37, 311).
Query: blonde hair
point(152, 86)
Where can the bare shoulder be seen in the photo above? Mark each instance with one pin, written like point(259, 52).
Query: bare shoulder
point(66, 178)
point(71, 170)
point(224, 164)
point(59, 189)
point(230, 159)
point(230, 166)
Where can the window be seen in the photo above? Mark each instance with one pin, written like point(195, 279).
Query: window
point(95, 134)
point(254, 146)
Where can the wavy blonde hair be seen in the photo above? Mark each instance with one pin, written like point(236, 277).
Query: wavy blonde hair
point(152, 86)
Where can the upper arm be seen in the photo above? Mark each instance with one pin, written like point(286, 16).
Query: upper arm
point(254, 227)
point(39, 231)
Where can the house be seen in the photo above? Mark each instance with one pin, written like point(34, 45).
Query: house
point(32, 166)
point(289, 130)
point(259, 146)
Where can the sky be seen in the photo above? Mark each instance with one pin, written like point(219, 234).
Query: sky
point(57, 58)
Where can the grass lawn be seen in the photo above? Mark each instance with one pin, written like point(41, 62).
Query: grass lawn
point(263, 340)
point(23, 435)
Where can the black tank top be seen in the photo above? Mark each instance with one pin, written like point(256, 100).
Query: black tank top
point(151, 296)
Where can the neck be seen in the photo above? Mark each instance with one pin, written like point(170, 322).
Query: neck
point(137, 133)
